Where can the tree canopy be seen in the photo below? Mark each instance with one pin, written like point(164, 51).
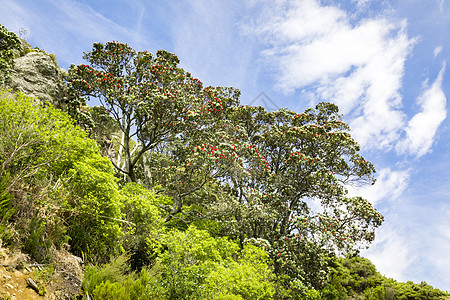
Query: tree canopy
point(279, 177)
point(149, 97)
point(174, 190)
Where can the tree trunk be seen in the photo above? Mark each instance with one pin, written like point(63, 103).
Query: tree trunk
point(147, 172)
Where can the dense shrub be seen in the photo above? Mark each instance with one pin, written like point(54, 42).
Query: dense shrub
point(94, 205)
point(357, 277)
point(143, 226)
point(59, 181)
point(193, 265)
point(6, 211)
point(8, 43)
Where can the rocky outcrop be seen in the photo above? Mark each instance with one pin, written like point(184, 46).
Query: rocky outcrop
point(36, 74)
point(19, 276)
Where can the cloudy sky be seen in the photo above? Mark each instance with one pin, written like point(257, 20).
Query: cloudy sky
point(383, 62)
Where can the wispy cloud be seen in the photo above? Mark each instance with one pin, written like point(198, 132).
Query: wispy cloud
point(437, 51)
point(390, 253)
point(362, 2)
point(422, 128)
point(438, 253)
point(414, 240)
point(441, 5)
point(207, 39)
point(318, 51)
point(66, 27)
point(15, 16)
point(389, 186)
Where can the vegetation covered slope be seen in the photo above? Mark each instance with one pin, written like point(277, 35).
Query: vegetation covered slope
point(357, 278)
point(172, 190)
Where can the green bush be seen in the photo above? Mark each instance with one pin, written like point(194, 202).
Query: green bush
point(198, 266)
point(8, 43)
point(247, 278)
point(190, 256)
point(113, 272)
point(6, 211)
point(36, 243)
point(69, 185)
point(94, 205)
point(115, 281)
point(194, 265)
point(110, 290)
point(143, 226)
point(357, 277)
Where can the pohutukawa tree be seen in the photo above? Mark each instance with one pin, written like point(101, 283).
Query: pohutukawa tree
point(278, 178)
point(194, 165)
point(148, 96)
point(168, 115)
point(297, 199)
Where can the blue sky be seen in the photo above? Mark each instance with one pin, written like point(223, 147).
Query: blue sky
point(383, 62)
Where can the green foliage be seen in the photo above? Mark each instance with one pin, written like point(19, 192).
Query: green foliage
point(5, 196)
point(410, 290)
point(193, 266)
point(42, 277)
point(103, 127)
point(357, 277)
point(147, 96)
point(110, 290)
point(196, 265)
point(29, 135)
point(36, 243)
point(114, 281)
point(190, 256)
point(22, 142)
point(95, 204)
point(37, 139)
point(144, 224)
point(113, 272)
point(6, 211)
point(245, 278)
point(8, 43)
point(71, 185)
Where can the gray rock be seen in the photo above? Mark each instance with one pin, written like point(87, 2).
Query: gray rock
point(37, 75)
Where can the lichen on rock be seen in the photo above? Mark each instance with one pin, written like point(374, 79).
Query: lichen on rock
point(37, 75)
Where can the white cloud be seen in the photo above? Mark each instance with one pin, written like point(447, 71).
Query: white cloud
point(390, 253)
point(389, 186)
point(439, 252)
point(362, 2)
point(14, 16)
point(67, 27)
point(428, 238)
point(359, 66)
point(413, 243)
point(441, 5)
point(207, 39)
point(422, 128)
point(437, 51)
